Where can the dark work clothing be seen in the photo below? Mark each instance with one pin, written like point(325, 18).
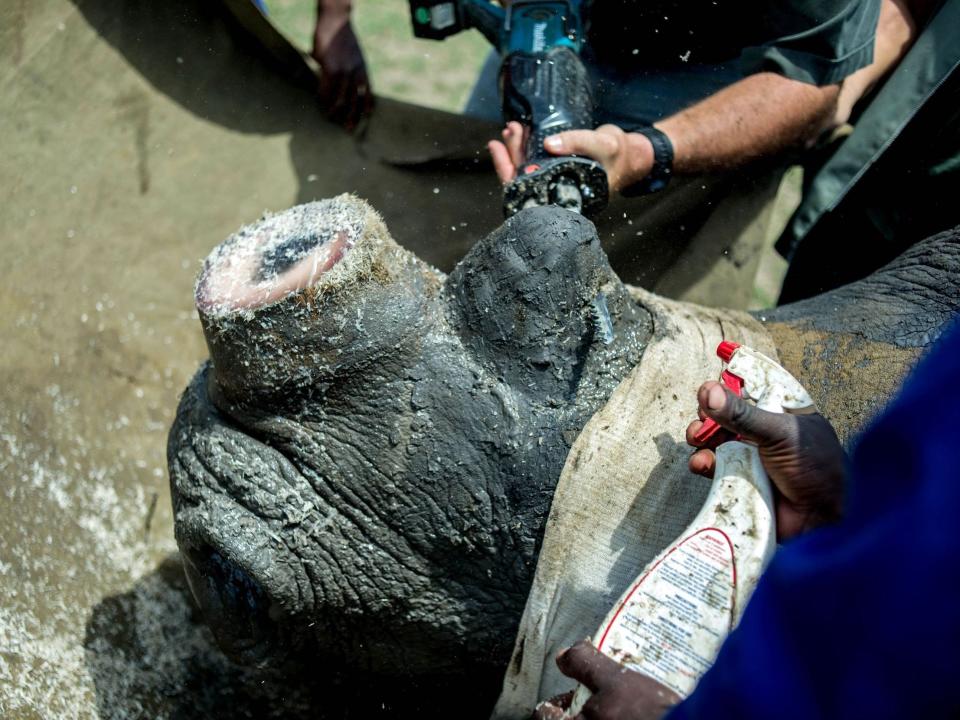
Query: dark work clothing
point(908, 195)
point(649, 59)
point(815, 41)
point(860, 620)
point(700, 237)
point(894, 181)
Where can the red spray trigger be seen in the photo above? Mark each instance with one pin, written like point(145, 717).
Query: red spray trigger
point(726, 349)
point(711, 427)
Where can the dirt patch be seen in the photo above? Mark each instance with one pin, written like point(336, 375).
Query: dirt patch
point(849, 377)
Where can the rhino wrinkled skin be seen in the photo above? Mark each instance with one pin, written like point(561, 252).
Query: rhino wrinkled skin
point(364, 468)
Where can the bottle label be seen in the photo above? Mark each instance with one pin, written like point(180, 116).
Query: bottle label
point(673, 621)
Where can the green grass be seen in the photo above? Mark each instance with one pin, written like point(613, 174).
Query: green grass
point(425, 72)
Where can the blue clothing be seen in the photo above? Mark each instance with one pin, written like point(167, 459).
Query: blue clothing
point(861, 620)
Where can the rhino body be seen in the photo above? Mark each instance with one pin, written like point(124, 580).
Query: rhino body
point(363, 470)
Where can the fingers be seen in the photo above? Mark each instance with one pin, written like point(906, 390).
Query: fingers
point(548, 711)
point(703, 462)
point(361, 100)
point(584, 663)
point(513, 135)
point(331, 91)
point(345, 97)
point(340, 107)
point(738, 416)
point(617, 692)
point(502, 163)
point(693, 430)
point(507, 155)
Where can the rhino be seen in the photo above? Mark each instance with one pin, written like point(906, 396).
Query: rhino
point(363, 469)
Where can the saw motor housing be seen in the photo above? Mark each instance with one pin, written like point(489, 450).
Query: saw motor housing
point(543, 85)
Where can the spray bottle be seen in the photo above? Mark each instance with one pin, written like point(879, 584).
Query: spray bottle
point(671, 621)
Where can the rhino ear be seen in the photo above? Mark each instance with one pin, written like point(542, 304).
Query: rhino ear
point(305, 296)
point(524, 296)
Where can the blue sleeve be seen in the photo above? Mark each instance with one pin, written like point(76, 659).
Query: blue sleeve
point(818, 41)
point(861, 620)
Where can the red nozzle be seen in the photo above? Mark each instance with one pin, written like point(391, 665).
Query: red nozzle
point(726, 349)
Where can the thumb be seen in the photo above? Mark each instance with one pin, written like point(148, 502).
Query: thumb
point(737, 415)
point(584, 663)
point(572, 142)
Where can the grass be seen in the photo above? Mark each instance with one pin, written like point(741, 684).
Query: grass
point(425, 72)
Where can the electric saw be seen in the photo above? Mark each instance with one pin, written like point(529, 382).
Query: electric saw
point(543, 85)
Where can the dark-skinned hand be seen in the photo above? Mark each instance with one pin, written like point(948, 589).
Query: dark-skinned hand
point(618, 693)
point(344, 86)
point(801, 454)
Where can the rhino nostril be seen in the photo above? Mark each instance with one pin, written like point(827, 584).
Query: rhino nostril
point(238, 609)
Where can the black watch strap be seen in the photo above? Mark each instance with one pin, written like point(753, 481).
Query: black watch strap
point(662, 169)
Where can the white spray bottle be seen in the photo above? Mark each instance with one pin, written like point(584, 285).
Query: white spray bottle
point(671, 621)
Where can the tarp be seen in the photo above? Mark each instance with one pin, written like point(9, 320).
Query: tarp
point(624, 495)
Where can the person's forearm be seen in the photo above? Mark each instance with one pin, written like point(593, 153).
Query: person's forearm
point(758, 116)
point(335, 5)
point(331, 16)
point(335, 8)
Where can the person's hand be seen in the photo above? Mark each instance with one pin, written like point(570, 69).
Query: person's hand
point(801, 454)
point(618, 693)
point(344, 87)
point(627, 157)
point(508, 155)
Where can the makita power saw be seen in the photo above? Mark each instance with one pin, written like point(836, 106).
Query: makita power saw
point(543, 85)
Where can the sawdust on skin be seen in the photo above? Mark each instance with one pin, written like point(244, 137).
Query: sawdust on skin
point(849, 377)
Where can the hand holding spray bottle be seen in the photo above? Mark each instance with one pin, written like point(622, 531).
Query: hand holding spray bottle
point(671, 622)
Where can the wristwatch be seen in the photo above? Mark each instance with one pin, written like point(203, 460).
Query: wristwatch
point(662, 169)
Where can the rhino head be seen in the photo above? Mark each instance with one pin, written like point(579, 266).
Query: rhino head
point(364, 468)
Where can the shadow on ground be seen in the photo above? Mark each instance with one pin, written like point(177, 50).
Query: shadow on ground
point(425, 171)
point(150, 656)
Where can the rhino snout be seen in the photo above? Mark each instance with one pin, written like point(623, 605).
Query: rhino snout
point(368, 461)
